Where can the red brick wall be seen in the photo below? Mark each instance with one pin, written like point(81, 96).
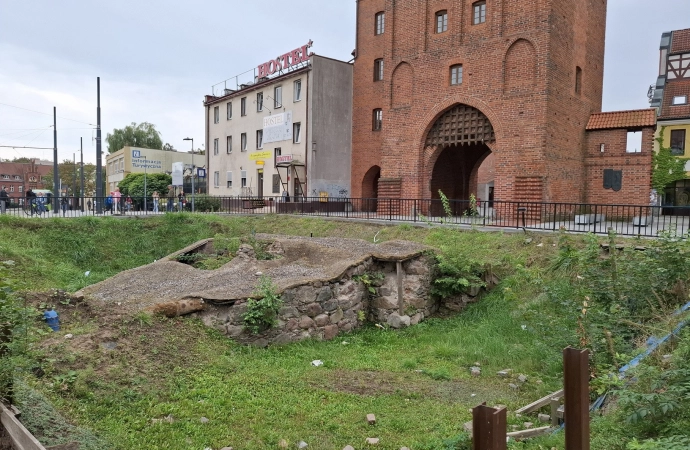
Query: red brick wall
point(519, 70)
point(636, 167)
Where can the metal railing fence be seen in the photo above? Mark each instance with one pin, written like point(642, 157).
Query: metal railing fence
point(630, 220)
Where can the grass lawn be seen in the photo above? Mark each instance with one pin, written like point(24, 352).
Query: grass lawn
point(140, 382)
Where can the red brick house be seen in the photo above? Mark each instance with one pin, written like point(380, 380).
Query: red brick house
point(17, 178)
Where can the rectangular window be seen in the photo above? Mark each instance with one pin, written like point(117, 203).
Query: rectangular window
point(442, 21)
point(677, 142)
point(229, 110)
point(479, 9)
point(380, 23)
point(259, 102)
point(297, 133)
point(216, 179)
point(229, 180)
point(243, 175)
point(228, 145)
point(259, 138)
point(21, 188)
point(215, 146)
point(578, 80)
point(298, 91)
point(377, 120)
point(278, 97)
point(378, 69)
point(11, 188)
point(243, 142)
point(634, 142)
point(680, 100)
point(243, 106)
point(276, 153)
point(456, 74)
point(216, 114)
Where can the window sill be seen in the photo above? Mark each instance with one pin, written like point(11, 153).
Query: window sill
point(297, 101)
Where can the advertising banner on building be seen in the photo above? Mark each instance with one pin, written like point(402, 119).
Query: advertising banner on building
point(177, 169)
point(278, 127)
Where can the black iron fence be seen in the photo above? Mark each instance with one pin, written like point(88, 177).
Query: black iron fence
point(641, 220)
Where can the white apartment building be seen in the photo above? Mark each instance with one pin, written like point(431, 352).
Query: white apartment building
point(288, 131)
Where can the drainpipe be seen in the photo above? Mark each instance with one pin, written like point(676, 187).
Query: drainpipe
point(305, 191)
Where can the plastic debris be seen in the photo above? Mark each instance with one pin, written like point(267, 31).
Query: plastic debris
point(317, 363)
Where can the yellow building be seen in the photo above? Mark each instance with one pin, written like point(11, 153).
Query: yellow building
point(140, 160)
point(672, 100)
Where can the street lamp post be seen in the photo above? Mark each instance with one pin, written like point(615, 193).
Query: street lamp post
point(193, 169)
point(146, 209)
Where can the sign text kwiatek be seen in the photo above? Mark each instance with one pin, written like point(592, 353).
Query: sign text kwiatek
point(282, 62)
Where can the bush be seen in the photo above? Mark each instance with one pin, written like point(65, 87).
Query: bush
point(262, 314)
point(205, 203)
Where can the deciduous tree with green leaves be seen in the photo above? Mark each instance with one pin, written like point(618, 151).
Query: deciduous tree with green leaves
point(666, 168)
point(142, 135)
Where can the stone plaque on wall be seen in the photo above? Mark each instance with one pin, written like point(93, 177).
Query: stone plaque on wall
point(613, 179)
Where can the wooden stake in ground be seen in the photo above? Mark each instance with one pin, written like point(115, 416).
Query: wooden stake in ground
point(6, 388)
point(576, 387)
point(489, 428)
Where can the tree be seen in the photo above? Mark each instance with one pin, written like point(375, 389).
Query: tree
point(68, 170)
point(133, 185)
point(666, 168)
point(143, 135)
point(169, 148)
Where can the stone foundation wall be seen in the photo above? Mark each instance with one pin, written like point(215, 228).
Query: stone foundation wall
point(322, 310)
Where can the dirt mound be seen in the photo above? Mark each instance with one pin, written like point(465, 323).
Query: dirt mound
point(303, 260)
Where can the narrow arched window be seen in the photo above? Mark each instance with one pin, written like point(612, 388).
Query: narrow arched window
point(378, 69)
point(377, 120)
point(380, 20)
point(442, 21)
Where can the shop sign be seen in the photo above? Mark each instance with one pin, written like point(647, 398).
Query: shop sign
point(254, 156)
point(260, 163)
point(278, 127)
point(284, 159)
point(283, 62)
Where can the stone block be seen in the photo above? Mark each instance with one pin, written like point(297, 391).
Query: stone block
point(306, 322)
point(314, 309)
point(330, 305)
point(325, 294)
point(305, 294)
point(372, 441)
point(292, 324)
point(337, 316)
point(371, 419)
point(416, 319)
point(288, 312)
point(234, 330)
point(397, 321)
point(345, 326)
point(321, 320)
point(390, 302)
point(330, 331)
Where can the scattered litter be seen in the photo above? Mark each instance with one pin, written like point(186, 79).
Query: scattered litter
point(475, 371)
point(477, 364)
point(522, 378)
point(513, 386)
point(258, 274)
point(302, 444)
point(373, 441)
point(69, 336)
point(540, 244)
point(9, 262)
point(348, 447)
point(204, 420)
point(317, 363)
point(528, 424)
point(473, 395)
point(345, 342)
point(371, 419)
point(87, 273)
point(283, 444)
point(524, 327)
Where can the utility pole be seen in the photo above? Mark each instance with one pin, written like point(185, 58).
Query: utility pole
point(81, 191)
point(74, 176)
point(56, 186)
point(99, 165)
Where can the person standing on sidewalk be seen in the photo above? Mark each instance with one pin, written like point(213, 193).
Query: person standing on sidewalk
point(171, 197)
point(116, 201)
point(4, 200)
point(156, 200)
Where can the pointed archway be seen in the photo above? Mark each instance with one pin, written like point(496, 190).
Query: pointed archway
point(457, 143)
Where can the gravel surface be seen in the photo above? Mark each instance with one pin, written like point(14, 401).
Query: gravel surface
point(304, 260)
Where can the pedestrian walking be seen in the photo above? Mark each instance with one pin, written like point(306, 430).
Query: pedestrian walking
point(4, 200)
point(88, 204)
point(181, 201)
point(156, 199)
point(117, 205)
point(171, 198)
point(64, 203)
point(128, 203)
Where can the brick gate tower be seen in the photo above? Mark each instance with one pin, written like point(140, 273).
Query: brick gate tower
point(439, 85)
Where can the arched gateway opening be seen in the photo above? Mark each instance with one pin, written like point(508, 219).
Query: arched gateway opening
point(370, 189)
point(458, 144)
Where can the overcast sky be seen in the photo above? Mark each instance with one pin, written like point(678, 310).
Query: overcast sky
point(157, 59)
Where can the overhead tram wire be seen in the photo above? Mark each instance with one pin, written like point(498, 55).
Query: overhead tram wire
point(47, 114)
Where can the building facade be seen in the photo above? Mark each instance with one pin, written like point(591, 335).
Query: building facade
point(439, 85)
point(287, 132)
point(17, 178)
point(140, 160)
point(672, 99)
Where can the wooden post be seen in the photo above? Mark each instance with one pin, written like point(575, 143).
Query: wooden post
point(6, 388)
point(576, 386)
point(399, 273)
point(489, 428)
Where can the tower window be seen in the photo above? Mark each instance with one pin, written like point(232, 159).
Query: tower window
point(479, 9)
point(578, 80)
point(456, 74)
point(442, 21)
point(380, 23)
point(377, 124)
point(378, 70)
